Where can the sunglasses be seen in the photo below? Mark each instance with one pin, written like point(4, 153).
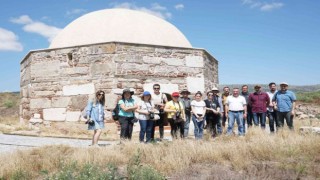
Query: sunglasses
point(101, 94)
point(156, 88)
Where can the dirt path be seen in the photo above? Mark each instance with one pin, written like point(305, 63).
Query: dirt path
point(11, 143)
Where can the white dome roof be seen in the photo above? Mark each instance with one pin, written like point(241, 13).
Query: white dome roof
point(119, 25)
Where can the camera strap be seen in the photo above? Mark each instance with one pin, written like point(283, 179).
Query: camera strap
point(176, 107)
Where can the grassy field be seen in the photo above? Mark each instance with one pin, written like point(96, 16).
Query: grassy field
point(258, 155)
point(309, 97)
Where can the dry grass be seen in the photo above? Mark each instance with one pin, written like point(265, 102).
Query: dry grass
point(285, 155)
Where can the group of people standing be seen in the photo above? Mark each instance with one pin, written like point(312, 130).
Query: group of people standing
point(211, 113)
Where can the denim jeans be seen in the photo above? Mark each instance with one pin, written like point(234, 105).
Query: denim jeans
point(285, 115)
point(272, 120)
point(249, 118)
point(186, 125)
point(233, 116)
point(259, 117)
point(145, 129)
point(126, 127)
point(198, 127)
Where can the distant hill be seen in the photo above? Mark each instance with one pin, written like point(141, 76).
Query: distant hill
point(297, 89)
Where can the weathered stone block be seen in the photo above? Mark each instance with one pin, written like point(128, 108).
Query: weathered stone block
point(194, 61)
point(37, 116)
point(43, 93)
point(78, 89)
point(108, 48)
point(79, 102)
point(54, 114)
point(60, 102)
point(73, 116)
point(174, 61)
point(102, 68)
point(76, 70)
point(111, 100)
point(45, 69)
point(151, 60)
point(195, 84)
point(40, 103)
point(35, 120)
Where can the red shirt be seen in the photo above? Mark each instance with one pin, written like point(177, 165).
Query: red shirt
point(259, 102)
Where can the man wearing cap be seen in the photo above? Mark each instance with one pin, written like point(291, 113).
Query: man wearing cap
point(271, 112)
point(236, 109)
point(259, 101)
point(159, 100)
point(284, 102)
point(187, 108)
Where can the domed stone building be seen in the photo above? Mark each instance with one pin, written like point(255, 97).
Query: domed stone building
point(110, 50)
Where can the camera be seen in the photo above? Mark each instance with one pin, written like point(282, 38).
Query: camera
point(178, 113)
point(90, 122)
point(151, 115)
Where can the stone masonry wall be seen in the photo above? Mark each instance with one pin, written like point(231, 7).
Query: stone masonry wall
point(56, 83)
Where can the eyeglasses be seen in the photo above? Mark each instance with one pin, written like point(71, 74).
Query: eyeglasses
point(210, 94)
point(156, 88)
point(101, 94)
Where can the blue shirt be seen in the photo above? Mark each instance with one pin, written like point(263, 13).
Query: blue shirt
point(95, 111)
point(127, 103)
point(284, 100)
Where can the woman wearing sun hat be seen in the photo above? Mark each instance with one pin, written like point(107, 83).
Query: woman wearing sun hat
point(126, 113)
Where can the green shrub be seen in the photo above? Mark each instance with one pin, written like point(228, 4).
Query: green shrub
point(9, 103)
point(20, 175)
point(136, 171)
point(309, 97)
point(86, 172)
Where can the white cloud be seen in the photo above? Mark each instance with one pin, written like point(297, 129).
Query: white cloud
point(9, 41)
point(263, 6)
point(179, 6)
point(75, 11)
point(44, 30)
point(155, 9)
point(40, 28)
point(271, 6)
point(24, 19)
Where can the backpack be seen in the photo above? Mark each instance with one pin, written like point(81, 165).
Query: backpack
point(115, 113)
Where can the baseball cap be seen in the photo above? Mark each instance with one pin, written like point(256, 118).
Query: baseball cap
point(175, 94)
point(146, 93)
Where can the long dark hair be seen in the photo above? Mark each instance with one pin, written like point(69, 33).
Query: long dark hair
point(102, 100)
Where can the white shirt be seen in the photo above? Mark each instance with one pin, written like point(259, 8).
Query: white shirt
point(198, 106)
point(270, 94)
point(236, 103)
point(157, 99)
point(145, 107)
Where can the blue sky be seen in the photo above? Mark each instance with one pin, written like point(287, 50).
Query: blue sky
point(255, 41)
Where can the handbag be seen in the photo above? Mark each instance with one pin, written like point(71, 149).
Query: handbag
point(135, 119)
point(156, 117)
